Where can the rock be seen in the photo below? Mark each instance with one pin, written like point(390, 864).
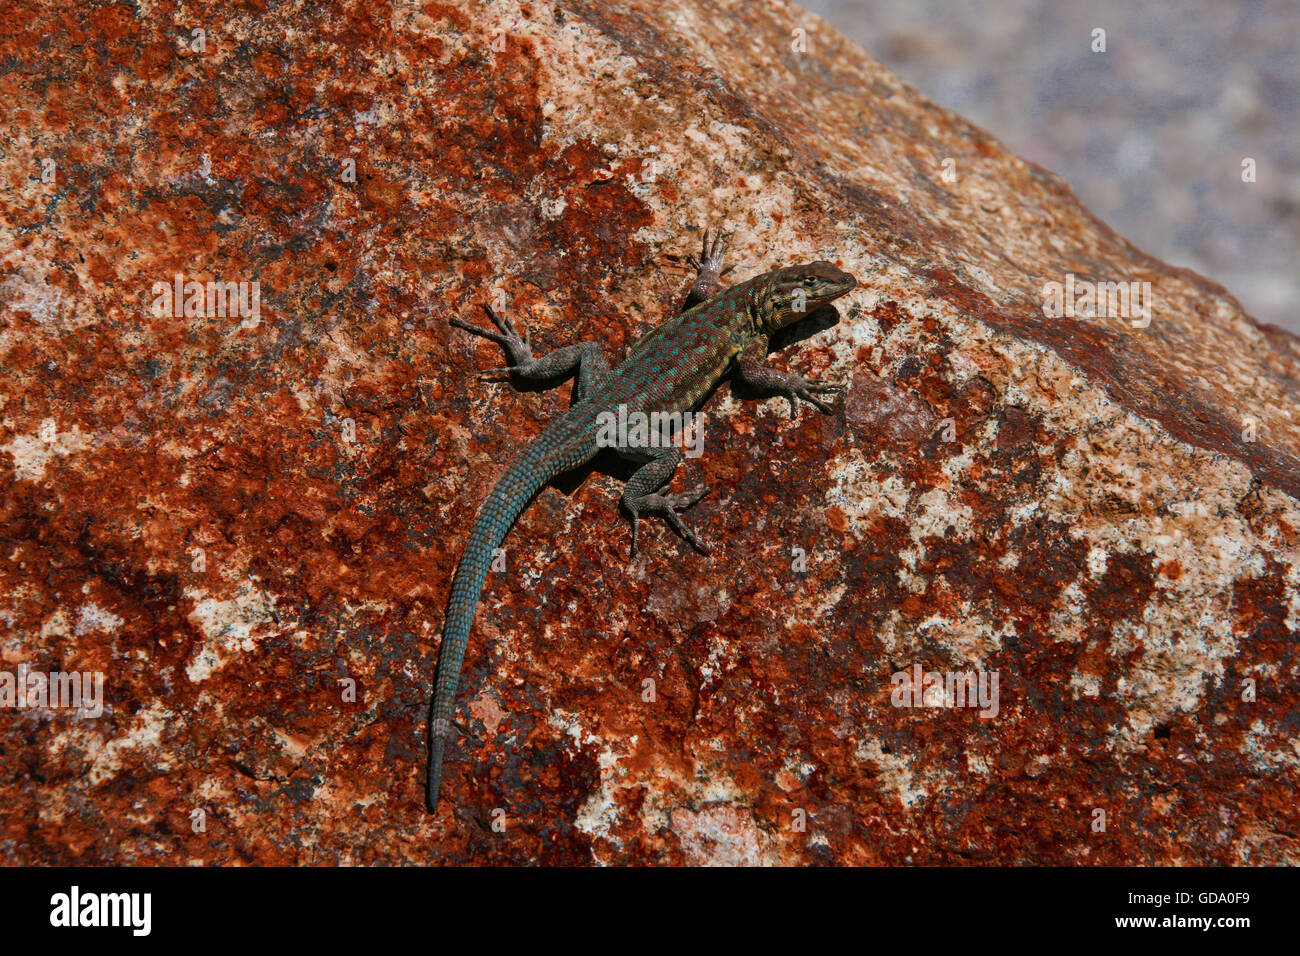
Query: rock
point(247, 523)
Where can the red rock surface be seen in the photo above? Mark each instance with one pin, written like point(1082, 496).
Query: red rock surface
point(1102, 532)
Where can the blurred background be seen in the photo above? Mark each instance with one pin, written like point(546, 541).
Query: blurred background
point(1151, 134)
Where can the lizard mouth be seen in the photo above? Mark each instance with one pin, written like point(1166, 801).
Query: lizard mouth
point(845, 284)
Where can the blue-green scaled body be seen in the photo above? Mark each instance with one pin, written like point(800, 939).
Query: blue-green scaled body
point(672, 369)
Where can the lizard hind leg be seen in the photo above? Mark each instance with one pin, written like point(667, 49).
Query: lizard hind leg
point(585, 360)
point(641, 495)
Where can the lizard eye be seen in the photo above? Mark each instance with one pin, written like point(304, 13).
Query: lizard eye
point(809, 281)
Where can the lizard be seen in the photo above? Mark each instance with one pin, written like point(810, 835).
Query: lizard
point(720, 331)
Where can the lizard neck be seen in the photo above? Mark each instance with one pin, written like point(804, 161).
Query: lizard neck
point(758, 306)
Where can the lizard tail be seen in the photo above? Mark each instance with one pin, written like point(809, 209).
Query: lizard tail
point(523, 479)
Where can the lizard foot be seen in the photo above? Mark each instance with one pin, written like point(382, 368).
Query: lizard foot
point(797, 387)
point(668, 506)
point(708, 265)
point(518, 350)
point(712, 251)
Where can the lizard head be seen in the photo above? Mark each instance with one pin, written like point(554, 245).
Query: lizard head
point(795, 291)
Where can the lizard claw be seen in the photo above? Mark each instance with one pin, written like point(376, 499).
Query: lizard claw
point(500, 321)
point(708, 266)
point(668, 506)
point(807, 390)
point(485, 333)
point(712, 251)
point(518, 350)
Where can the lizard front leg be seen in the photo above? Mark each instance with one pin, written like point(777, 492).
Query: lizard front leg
point(751, 370)
point(586, 359)
point(640, 495)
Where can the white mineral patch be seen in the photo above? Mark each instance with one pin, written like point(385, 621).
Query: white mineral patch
point(229, 628)
point(95, 618)
point(145, 733)
point(32, 453)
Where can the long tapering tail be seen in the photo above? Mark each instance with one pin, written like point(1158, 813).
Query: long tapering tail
point(537, 464)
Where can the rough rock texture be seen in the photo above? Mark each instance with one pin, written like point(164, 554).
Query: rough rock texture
point(1101, 531)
